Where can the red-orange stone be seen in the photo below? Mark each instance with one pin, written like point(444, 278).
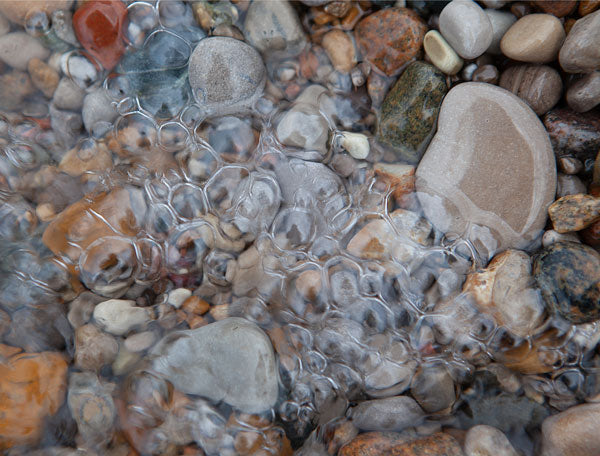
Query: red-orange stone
point(99, 26)
point(390, 38)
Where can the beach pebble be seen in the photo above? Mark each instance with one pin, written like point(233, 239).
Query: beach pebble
point(340, 50)
point(389, 414)
point(581, 51)
point(97, 108)
point(17, 10)
point(441, 53)
point(226, 75)
point(18, 48)
point(584, 95)
point(486, 440)
point(458, 180)
point(540, 86)
point(573, 134)
point(43, 76)
point(572, 432)
point(501, 21)
point(68, 95)
point(574, 212)
point(119, 316)
point(535, 38)
point(231, 360)
point(93, 348)
point(466, 27)
point(356, 144)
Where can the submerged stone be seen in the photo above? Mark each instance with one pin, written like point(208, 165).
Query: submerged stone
point(410, 110)
point(489, 147)
point(568, 275)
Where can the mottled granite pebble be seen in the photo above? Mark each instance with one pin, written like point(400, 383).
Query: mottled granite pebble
point(573, 133)
point(574, 212)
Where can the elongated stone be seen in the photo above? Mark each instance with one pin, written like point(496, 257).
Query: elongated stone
point(489, 147)
point(409, 111)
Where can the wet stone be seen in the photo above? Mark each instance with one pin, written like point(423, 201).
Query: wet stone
point(93, 348)
point(540, 86)
point(226, 75)
point(574, 212)
point(409, 111)
point(18, 48)
point(581, 51)
point(584, 94)
point(556, 8)
point(340, 49)
point(455, 177)
point(231, 360)
point(441, 53)
point(485, 440)
point(119, 316)
point(466, 27)
point(575, 134)
point(17, 10)
point(380, 444)
point(501, 21)
point(99, 28)
point(433, 388)
point(486, 73)
point(568, 275)
point(390, 414)
point(390, 38)
point(43, 76)
point(572, 432)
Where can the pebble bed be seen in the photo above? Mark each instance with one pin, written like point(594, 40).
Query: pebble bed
point(352, 228)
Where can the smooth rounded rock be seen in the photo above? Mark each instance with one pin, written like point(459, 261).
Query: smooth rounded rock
point(231, 360)
point(584, 95)
point(441, 53)
point(409, 112)
point(274, 28)
point(390, 414)
point(226, 75)
point(340, 50)
point(501, 21)
point(573, 432)
point(18, 48)
point(390, 38)
point(568, 274)
point(535, 38)
point(486, 440)
point(119, 316)
point(489, 147)
point(17, 10)
point(574, 212)
point(573, 134)
point(540, 86)
point(466, 27)
point(581, 51)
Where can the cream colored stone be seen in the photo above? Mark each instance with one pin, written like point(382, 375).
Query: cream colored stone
point(489, 148)
point(535, 38)
point(466, 27)
point(441, 53)
point(340, 49)
point(356, 144)
point(573, 432)
point(119, 316)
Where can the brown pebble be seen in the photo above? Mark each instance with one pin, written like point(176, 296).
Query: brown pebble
point(228, 30)
point(535, 38)
point(569, 23)
point(486, 73)
point(340, 50)
point(555, 7)
point(520, 9)
point(338, 8)
point(14, 87)
point(195, 305)
point(574, 212)
point(591, 234)
point(588, 6)
point(540, 86)
point(44, 77)
point(392, 444)
point(584, 94)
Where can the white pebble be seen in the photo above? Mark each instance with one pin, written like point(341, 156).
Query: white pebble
point(119, 316)
point(178, 296)
point(356, 144)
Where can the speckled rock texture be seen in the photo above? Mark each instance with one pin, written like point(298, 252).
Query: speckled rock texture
point(390, 444)
point(410, 110)
point(573, 133)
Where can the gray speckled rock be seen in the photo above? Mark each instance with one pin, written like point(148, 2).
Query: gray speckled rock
point(231, 360)
point(466, 27)
point(273, 28)
point(18, 48)
point(489, 148)
point(226, 75)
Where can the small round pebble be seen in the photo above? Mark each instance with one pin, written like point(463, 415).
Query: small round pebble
point(441, 53)
point(466, 27)
point(584, 95)
point(540, 86)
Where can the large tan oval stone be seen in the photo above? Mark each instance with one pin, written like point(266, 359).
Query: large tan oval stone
point(489, 173)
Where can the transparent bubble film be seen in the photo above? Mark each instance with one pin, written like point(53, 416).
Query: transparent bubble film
point(162, 209)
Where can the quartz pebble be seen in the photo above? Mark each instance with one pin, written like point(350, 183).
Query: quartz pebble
point(458, 180)
point(540, 86)
point(441, 53)
point(572, 432)
point(541, 46)
point(485, 440)
point(340, 49)
point(466, 27)
point(18, 48)
point(574, 212)
point(231, 360)
point(356, 144)
point(501, 21)
point(390, 38)
point(226, 75)
point(409, 112)
point(584, 95)
point(119, 316)
point(581, 51)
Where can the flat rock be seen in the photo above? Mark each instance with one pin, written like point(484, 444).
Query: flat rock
point(226, 75)
point(580, 52)
point(489, 147)
point(466, 27)
point(231, 360)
